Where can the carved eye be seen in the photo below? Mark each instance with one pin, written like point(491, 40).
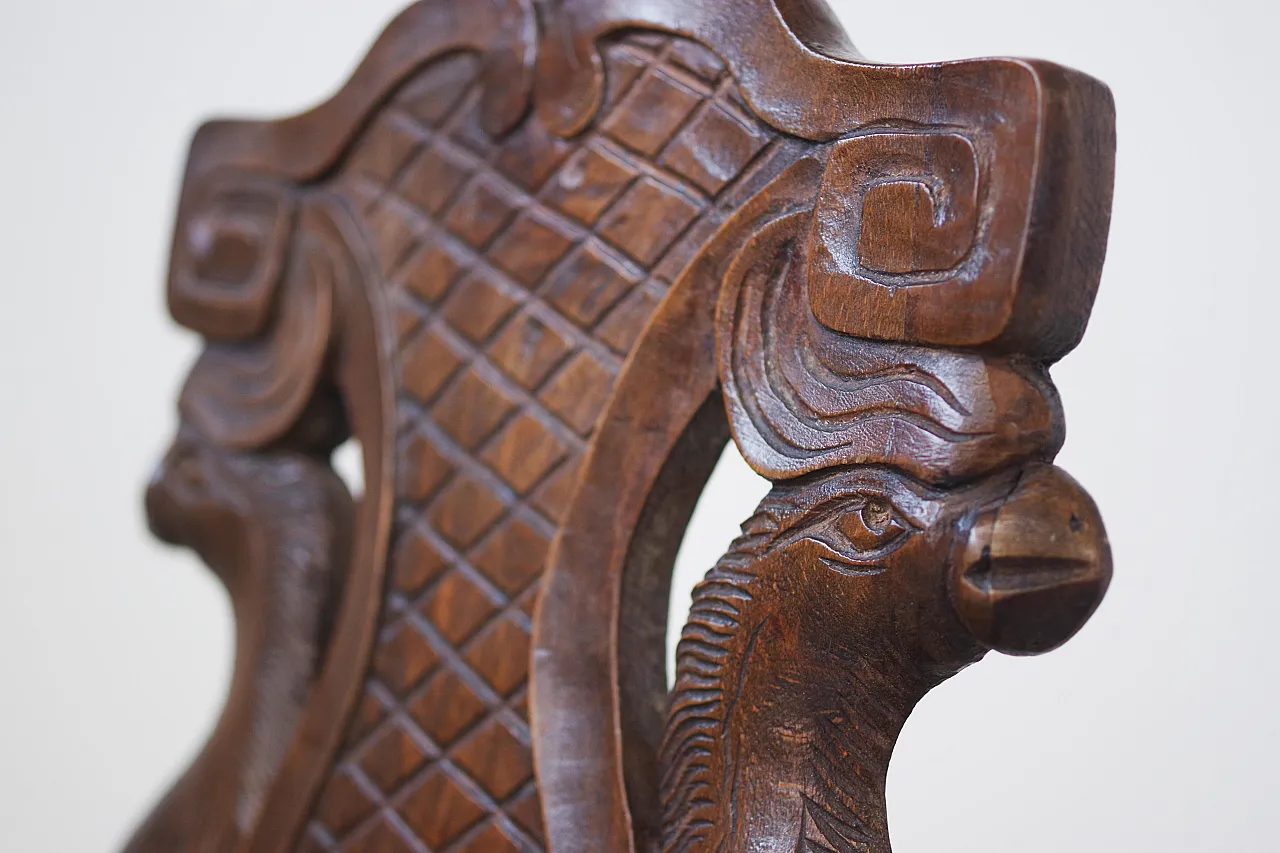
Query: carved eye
point(872, 527)
point(858, 531)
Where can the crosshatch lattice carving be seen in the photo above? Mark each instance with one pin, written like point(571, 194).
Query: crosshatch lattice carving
point(541, 260)
point(519, 274)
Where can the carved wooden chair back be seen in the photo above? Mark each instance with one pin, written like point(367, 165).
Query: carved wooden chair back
point(542, 260)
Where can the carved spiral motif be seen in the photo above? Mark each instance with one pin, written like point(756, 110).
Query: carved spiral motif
point(907, 226)
point(897, 210)
point(888, 317)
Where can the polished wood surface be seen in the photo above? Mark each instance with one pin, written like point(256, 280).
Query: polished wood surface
point(542, 261)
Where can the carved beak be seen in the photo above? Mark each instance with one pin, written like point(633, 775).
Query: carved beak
point(1033, 570)
point(177, 486)
point(162, 515)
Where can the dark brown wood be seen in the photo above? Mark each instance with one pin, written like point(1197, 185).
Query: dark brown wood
point(541, 260)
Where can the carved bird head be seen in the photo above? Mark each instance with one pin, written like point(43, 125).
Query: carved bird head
point(916, 522)
point(243, 512)
point(926, 468)
point(851, 593)
point(195, 499)
point(1016, 561)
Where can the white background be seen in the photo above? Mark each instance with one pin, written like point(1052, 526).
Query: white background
point(1156, 729)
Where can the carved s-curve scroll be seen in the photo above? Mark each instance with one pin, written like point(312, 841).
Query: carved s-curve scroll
point(269, 332)
point(874, 264)
point(1035, 131)
point(277, 280)
point(262, 271)
point(882, 339)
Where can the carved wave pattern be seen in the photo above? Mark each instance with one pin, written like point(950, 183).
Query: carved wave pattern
point(249, 394)
point(519, 272)
point(803, 397)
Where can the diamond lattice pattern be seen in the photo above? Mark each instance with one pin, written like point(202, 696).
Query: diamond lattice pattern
point(519, 273)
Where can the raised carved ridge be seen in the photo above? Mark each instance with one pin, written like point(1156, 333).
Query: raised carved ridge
point(259, 270)
point(887, 308)
point(513, 258)
point(696, 727)
point(518, 271)
point(803, 396)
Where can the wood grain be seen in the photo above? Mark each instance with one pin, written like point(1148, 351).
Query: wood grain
point(542, 260)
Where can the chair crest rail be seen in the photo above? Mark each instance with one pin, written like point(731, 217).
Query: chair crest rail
point(542, 260)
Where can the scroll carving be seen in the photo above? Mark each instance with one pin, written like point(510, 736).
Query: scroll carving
point(916, 521)
point(276, 528)
point(265, 299)
point(928, 180)
point(886, 311)
point(540, 259)
point(803, 396)
point(912, 221)
point(248, 486)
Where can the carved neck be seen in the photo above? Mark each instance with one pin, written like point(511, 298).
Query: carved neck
point(782, 722)
point(302, 529)
point(275, 527)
